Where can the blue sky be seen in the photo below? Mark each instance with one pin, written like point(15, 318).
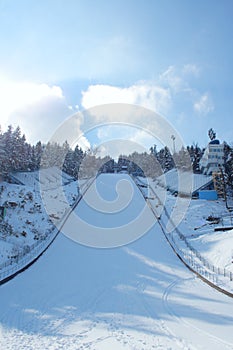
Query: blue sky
point(172, 56)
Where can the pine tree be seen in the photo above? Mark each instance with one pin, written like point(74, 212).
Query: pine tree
point(37, 154)
point(2, 155)
point(228, 165)
point(165, 159)
point(8, 163)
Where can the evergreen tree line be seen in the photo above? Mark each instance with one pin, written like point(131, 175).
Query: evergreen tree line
point(16, 154)
point(184, 159)
point(157, 162)
point(228, 165)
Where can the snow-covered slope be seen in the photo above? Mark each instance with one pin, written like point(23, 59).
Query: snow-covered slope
point(171, 181)
point(135, 297)
point(27, 225)
point(207, 251)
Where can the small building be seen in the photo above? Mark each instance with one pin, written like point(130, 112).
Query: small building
point(210, 195)
point(192, 184)
point(212, 158)
point(124, 169)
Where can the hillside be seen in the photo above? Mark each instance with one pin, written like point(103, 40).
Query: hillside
point(26, 222)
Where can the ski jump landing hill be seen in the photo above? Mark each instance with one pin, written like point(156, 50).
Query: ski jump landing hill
point(138, 296)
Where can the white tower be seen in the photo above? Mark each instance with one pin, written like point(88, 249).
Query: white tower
point(212, 158)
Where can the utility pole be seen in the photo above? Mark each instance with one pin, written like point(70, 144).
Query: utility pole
point(173, 139)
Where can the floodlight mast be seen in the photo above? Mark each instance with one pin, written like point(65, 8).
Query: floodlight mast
point(173, 139)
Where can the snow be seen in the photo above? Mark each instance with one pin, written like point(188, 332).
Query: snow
point(98, 221)
point(137, 297)
point(32, 227)
point(215, 248)
point(171, 181)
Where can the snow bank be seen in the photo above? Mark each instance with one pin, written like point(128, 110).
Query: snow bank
point(27, 227)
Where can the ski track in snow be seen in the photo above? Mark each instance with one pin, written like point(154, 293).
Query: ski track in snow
point(138, 297)
point(213, 341)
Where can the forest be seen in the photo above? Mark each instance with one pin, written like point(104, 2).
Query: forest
point(16, 154)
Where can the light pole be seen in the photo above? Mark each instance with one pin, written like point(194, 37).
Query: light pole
point(173, 139)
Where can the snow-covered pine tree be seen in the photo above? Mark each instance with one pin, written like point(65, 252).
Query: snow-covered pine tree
point(228, 165)
point(2, 155)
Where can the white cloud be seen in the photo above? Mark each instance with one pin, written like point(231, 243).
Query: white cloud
point(144, 94)
point(122, 139)
point(204, 105)
point(37, 108)
point(147, 94)
point(40, 119)
point(15, 96)
point(138, 136)
point(118, 147)
point(143, 139)
point(191, 69)
point(178, 79)
point(83, 143)
point(173, 79)
point(181, 81)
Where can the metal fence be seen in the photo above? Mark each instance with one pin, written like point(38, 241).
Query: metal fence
point(189, 255)
point(21, 260)
point(195, 259)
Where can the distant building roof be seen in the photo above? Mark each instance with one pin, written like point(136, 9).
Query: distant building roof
point(170, 181)
point(214, 142)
